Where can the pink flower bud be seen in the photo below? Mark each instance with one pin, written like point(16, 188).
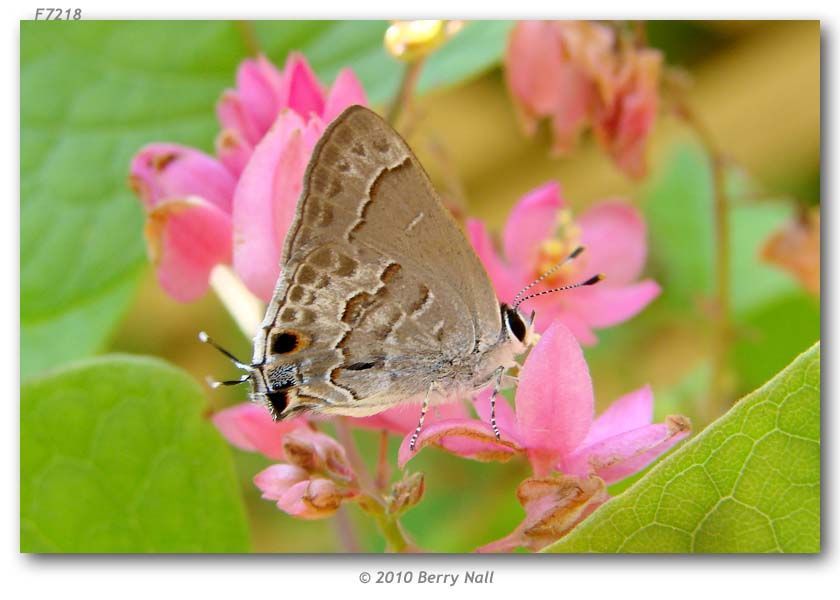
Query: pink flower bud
point(276, 480)
point(313, 499)
point(317, 453)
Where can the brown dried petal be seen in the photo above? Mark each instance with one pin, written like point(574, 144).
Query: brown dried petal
point(795, 248)
point(406, 493)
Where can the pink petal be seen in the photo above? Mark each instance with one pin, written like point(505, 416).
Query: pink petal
point(250, 427)
point(301, 90)
point(570, 114)
point(346, 91)
point(622, 455)
point(533, 59)
point(186, 238)
point(276, 480)
point(550, 308)
point(316, 498)
point(532, 221)
point(613, 233)
point(467, 438)
point(631, 411)
point(554, 401)
point(265, 201)
point(258, 85)
point(161, 171)
point(625, 128)
point(602, 305)
point(505, 418)
point(505, 280)
point(403, 419)
point(233, 114)
point(579, 328)
point(233, 151)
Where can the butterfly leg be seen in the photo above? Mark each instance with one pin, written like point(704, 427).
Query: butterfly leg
point(509, 381)
point(496, 387)
point(422, 418)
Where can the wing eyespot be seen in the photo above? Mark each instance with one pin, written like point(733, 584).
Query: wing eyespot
point(288, 341)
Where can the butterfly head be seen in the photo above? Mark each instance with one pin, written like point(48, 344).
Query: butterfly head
point(519, 329)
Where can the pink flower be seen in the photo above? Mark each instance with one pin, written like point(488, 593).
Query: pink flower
point(575, 74)
point(559, 70)
point(187, 196)
point(249, 427)
point(315, 481)
point(299, 494)
point(540, 232)
point(203, 211)
point(553, 423)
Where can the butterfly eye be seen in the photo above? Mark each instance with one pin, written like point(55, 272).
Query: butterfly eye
point(515, 323)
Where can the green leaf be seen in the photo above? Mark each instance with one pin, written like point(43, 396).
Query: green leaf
point(333, 45)
point(679, 207)
point(474, 50)
point(117, 456)
point(749, 483)
point(92, 93)
point(772, 334)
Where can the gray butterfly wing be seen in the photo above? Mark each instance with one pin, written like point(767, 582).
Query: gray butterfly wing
point(379, 288)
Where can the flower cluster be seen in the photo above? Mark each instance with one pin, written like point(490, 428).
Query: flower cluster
point(236, 207)
point(316, 476)
point(553, 426)
point(540, 232)
point(316, 479)
point(577, 75)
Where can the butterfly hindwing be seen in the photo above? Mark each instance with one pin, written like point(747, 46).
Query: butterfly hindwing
point(378, 283)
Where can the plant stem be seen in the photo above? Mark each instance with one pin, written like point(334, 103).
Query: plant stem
point(245, 308)
point(346, 533)
point(720, 388)
point(371, 500)
point(249, 36)
point(411, 74)
point(383, 474)
point(345, 436)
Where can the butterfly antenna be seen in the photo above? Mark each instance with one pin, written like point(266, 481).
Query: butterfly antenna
point(575, 253)
point(216, 384)
point(591, 281)
point(203, 337)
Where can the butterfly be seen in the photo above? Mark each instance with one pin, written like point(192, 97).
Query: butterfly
point(381, 299)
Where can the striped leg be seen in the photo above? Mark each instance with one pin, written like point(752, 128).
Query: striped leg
point(422, 418)
point(496, 387)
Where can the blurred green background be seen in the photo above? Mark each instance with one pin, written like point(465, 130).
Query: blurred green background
point(756, 85)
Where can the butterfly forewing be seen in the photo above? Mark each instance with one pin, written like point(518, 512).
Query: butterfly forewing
point(379, 287)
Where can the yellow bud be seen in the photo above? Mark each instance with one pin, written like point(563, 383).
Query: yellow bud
point(411, 40)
